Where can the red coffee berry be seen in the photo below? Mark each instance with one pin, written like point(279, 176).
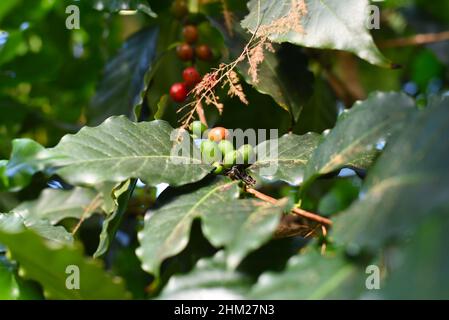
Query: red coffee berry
point(190, 34)
point(203, 52)
point(191, 76)
point(178, 92)
point(184, 52)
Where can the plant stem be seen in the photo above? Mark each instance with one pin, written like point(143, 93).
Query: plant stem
point(93, 205)
point(200, 112)
point(418, 39)
point(297, 211)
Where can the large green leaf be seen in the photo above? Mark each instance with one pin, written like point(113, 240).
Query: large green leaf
point(120, 195)
point(12, 287)
point(55, 205)
point(311, 276)
point(47, 263)
point(14, 222)
point(7, 6)
point(48, 231)
point(123, 80)
point(285, 76)
point(328, 24)
point(11, 222)
point(241, 226)
point(358, 132)
point(285, 158)
point(27, 157)
point(120, 149)
point(320, 112)
point(425, 255)
point(15, 42)
point(4, 181)
point(209, 280)
point(409, 182)
point(167, 227)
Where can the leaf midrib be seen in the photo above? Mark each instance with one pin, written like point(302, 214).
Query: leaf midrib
point(332, 163)
point(190, 213)
point(78, 161)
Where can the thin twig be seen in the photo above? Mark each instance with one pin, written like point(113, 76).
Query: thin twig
point(93, 205)
point(324, 244)
point(324, 231)
point(228, 17)
point(297, 211)
point(415, 40)
point(200, 113)
point(311, 232)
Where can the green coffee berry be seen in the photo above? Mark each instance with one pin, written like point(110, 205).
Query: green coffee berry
point(229, 159)
point(225, 147)
point(218, 168)
point(209, 151)
point(198, 128)
point(247, 153)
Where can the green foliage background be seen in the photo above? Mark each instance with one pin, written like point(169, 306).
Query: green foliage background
point(364, 143)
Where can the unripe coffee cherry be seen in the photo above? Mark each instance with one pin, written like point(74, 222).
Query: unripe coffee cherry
point(203, 52)
point(179, 9)
point(209, 151)
point(247, 153)
point(178, 92)
point(217, 134)
point(190, 34)
point(229, 159)
point(225, 147)
point(198, 128)
point(185, 52)
point(218, 168)
point(191, 76)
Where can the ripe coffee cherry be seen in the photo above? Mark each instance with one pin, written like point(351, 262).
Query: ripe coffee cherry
point(203, 52)
point(225, 147)
point(191, 76)
point(190, 34)
point(209, 151)
point(179, 9)
point(178, 92)
point(217, 134)
point(184, 52)
point(247, 153)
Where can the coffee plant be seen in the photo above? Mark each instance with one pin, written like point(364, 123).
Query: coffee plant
point(224, 149)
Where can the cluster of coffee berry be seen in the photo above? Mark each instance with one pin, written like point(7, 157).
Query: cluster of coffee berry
point(219, 150)
point(188, 51)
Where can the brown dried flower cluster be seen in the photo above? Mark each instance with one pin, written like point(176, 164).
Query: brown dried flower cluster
point(256, 56)
point(235, 88)
point(292, 21)
point(253, 53)
point(205, 90)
